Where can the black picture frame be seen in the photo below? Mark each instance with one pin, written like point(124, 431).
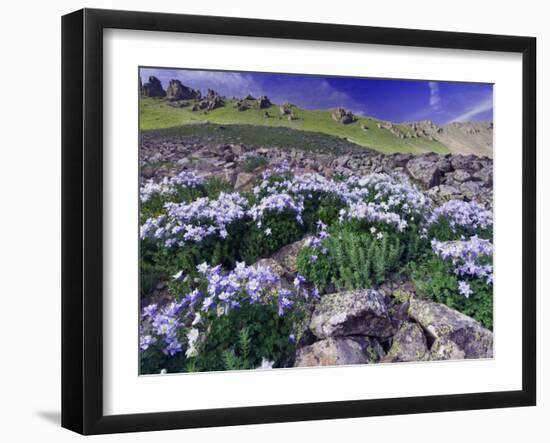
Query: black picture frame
point(82, 218)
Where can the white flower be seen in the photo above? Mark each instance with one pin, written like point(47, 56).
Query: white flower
point(192, 337)
point(197, 319)
point(379, 236)
point(178, 275)
point(267, 231)
point(372, 230)
point(266, 364)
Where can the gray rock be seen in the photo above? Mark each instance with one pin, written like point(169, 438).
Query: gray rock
point(358, 312)
point(425, 170)
point(288, 254)
point(153, 88)
point(343, 116)
point(440, 321)
point(443, 193)
point(461, 175)
point(409, 344)
point(245, 181)
point(263, 102)
point(485, 175)
point(177, 91)
point(340, 351)
point(445, 349)
point(284, 109)
point(471, 190)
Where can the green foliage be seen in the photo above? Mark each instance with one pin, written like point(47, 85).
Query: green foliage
point(255, 162)
point(321, 206)
point(255, 243)
point(355, 259)
point(234, 361)
point(213, 186)
point(444, 232)
point(435, 279)
point(242, 338)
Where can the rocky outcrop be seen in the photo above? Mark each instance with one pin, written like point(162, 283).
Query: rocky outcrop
point(359, 312)
point(178, 91)
point(153, 88)
point(340, 351)
point(211, 101)
point(442, 322)
point(263, 102)
point(342, 116)
point(409, 344)
point(285, 109)
point(242, 105)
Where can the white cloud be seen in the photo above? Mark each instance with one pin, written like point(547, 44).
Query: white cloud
point(435, 98)
point(480, 107)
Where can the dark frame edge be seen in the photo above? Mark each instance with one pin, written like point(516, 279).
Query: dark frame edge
point(529, 220)
point(72, 221)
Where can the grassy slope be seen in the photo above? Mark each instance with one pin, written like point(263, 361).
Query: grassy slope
point(156, 114)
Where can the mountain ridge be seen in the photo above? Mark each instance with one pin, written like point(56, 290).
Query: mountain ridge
point(181, 105)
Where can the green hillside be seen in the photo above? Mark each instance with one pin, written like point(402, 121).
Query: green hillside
point(157, 114)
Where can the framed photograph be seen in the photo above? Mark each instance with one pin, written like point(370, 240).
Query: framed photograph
point(270, 221)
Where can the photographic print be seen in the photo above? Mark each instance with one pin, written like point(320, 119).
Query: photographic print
point(292, 220)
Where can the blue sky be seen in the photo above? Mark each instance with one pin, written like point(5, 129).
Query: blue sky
point(392, 100)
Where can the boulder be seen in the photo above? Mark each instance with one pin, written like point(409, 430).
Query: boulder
point(242, 106)
point(342, 116)
point(357, 312)
point(409, 344)
point(263, 102)
point(461, 175)
point(177, 91)
point(340, 351)
point(440, 321)
point(445, 349)
point(245, 181)
point(153, 88)
point(443, 193)
point(471, 190)
point(485, 175)
point(285, 109)
point(288, 255)
point(425, 170)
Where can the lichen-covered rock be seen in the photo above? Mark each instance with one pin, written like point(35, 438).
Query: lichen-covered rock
point(359, 312)
point(409, 344)
point(425, 170)
point(461, 175)
point(440, 321)
point(445, 349)
point(244, 181)
point(340, 351)
point(288, 255)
